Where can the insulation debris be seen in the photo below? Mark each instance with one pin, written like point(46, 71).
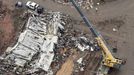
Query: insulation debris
point(40, 37)
point(46, 43)
point(86, 4)
point(80, 60)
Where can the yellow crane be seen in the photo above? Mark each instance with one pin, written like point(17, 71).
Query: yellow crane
point(109, 61)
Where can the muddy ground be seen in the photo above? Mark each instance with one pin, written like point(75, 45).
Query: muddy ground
point(114, 14)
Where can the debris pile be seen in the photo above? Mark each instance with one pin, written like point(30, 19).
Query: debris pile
point(73, 40)
point(45, 44)
point(86, 4)
point(38, 40)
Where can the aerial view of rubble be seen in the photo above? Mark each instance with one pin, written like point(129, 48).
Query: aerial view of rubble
point(66, 37)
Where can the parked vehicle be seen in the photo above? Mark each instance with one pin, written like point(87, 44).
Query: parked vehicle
point(19, 4)
point(32, 5)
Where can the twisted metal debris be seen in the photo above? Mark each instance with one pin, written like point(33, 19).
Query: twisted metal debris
point(44, 45)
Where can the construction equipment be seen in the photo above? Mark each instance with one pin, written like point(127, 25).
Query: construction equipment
point(108, 61)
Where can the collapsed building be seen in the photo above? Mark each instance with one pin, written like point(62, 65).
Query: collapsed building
point(39, 37)
point(39, 47)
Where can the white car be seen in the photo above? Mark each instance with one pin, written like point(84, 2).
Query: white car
point(32, 5)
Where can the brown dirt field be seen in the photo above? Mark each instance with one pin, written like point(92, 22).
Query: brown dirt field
point(9, 4)
point(10, 24)
point(66, 68)
point(7, 31)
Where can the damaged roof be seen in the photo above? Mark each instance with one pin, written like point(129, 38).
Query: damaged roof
point(38, 37)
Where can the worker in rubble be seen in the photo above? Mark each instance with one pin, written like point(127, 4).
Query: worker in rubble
point(96, 9)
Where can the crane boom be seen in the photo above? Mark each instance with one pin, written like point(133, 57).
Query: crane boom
point(108, 59)
point(88, 23)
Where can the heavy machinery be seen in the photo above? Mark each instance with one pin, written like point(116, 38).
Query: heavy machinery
point(108, 61)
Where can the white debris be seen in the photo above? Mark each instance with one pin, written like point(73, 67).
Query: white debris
point(82, 48)
point(96, 9)
point(84, 38)
point(1, 58)
point(82, 69)
point(98, 3)
point(50, 72)
point(80, 60)
point(86, 4)
point(45, 61)
point(39, 36)
point(81, 43)
point(20, 62)
point(91, 48)
point(73, 38)
point(114, 29)
point(37, 26)
point(8, 49)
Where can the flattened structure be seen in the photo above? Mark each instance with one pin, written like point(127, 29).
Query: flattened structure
point(39, 37)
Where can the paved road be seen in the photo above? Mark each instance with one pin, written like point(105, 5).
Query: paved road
point(107, 11)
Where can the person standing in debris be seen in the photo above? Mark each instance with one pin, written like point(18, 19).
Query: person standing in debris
point(96, 9)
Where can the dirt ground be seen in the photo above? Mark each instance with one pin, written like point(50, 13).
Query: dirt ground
point(119, 10)
point(6, 28)
point(10, 24)
point(66, 68)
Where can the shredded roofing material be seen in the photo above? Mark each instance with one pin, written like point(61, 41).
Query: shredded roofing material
point(39, 36)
